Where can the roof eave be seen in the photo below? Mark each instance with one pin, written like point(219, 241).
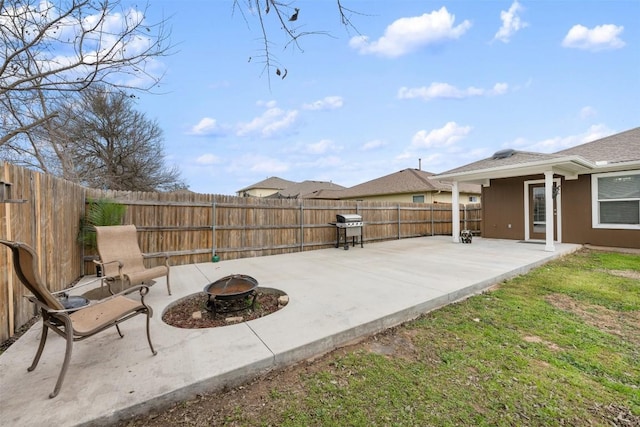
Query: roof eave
point(619, 166)
point(567, 166)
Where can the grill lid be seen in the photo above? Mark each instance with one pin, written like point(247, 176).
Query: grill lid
point(348, 218)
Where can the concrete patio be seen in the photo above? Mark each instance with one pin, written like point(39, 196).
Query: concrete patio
point(336, 297)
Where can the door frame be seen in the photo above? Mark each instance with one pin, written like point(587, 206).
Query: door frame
point(557, 216)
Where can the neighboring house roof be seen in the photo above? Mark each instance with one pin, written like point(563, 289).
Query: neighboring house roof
point(306, 188)
point(324, 194)
point(404, 181)
point(273, 183)
point(614, 152)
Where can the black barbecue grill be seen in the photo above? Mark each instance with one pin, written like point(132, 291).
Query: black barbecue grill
point(348, 225)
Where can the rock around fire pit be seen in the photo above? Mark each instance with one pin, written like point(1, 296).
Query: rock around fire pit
point(191, 312)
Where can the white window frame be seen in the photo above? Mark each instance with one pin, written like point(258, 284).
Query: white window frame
point(595, 203)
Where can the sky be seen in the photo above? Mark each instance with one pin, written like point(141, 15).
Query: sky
point(435, 84)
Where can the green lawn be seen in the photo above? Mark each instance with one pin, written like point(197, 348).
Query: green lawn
point(558, 346)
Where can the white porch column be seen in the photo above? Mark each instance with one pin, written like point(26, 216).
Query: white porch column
point(548, 203)
point(455, 212)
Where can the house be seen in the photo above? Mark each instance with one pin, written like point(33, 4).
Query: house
point(306, 189)
point(588, 194)
point(407, 185)
point(275, 187)
point(265, 187)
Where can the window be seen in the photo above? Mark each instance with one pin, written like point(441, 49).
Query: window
point(473, 199)
point(539, 210)
point(418, 199)
point(616, 200)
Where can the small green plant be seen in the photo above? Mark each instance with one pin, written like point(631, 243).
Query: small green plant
point(99, 212)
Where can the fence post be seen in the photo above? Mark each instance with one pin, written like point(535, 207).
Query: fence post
point(464, 218)
point(399, 223)
point(301, 225)
point(431, 210)
point(213, 228)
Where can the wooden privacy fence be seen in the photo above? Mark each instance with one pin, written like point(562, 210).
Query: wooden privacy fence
point(44, 212)
point(190, 227)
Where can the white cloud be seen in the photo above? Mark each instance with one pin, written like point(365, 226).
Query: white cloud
point(273, 121)
point(499, 89)
point(206, 126)
point(373, 145)
point(208, 159)
point(511, 23)
point(447, 91)
point(267, 104)
point(327, 103)
point(446, 136)
point(551, 145)
point(601, 37)
point(406, 35)
point(588, 112)
point(322, 147)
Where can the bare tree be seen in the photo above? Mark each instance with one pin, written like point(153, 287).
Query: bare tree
point(48, 49)
point(285, 17)
point(109, 145)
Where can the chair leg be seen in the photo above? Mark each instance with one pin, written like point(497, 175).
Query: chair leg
point(168, 285)
point(43, 340)
point(67, 358)
point(149, 334)
point(118, 329)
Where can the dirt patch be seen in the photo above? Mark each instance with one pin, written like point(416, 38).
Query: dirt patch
point(613, 322)
point(192, 313)
point(629, 274)
point(536, 339)
point(390, 343)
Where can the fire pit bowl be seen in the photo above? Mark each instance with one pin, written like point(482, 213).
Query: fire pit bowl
point(231, 293)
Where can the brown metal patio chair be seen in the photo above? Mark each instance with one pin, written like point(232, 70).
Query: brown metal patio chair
point(73, 324)
point(121, 258)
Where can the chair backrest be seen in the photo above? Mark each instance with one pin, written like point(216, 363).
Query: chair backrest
point(25, 263)
point(119, 243)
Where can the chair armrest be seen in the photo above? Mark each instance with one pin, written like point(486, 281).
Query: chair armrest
point(158, 255)
point(97, 262)
point(143, 289)
point(46, 308)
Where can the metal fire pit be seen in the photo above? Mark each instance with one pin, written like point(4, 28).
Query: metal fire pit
point(232, 293)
